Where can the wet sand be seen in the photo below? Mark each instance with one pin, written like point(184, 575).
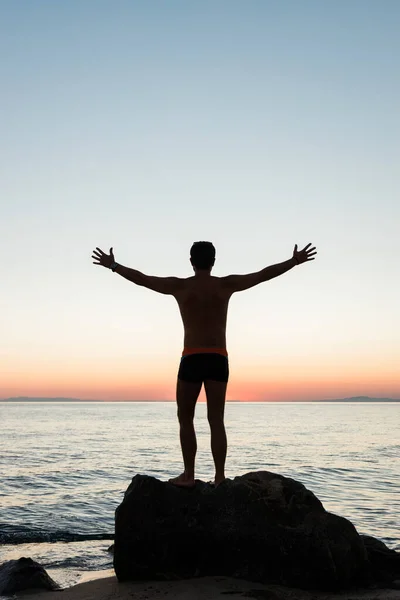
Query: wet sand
point(204, 588)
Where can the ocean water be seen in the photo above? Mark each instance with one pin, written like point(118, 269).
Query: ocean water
point(64, 467)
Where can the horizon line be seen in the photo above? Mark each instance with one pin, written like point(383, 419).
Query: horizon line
point(61, 399)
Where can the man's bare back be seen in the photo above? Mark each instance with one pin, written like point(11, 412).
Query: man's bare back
point(203, 303)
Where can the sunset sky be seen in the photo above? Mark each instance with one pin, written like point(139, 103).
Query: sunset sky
point(147, 125)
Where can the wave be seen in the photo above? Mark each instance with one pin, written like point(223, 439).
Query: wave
point(13, 535)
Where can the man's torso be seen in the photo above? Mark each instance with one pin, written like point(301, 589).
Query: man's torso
point(203, 304)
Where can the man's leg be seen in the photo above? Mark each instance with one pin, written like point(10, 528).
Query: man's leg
point(216, 392)
point(186, 398)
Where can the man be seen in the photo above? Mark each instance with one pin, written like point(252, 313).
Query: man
point(203, 303)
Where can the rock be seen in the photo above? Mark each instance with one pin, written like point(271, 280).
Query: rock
point(260, 526)
point(23, 574)
point(384, 562)
point(395, 585)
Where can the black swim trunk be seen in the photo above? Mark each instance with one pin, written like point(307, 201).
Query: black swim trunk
point(197, 368)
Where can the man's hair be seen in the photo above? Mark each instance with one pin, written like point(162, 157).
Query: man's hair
point(202, 255)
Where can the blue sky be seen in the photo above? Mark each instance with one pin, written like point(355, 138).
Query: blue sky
point(149, 125)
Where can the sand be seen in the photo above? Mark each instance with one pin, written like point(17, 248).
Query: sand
point(204, 588)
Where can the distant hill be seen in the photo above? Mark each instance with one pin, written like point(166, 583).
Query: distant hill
point(30, 399)
point(362, 399)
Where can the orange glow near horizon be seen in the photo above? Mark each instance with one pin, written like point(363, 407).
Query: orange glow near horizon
point(288, 379)
point(246, 384)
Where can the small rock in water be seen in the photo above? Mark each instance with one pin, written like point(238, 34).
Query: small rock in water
point(22, 574)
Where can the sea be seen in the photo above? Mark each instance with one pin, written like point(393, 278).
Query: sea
point(64, 467)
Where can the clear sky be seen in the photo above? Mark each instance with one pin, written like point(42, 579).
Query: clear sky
point(146, 125)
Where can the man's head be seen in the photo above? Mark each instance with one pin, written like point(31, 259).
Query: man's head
point(202, 256)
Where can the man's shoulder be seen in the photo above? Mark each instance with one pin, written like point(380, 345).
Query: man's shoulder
point(183, 281)
point(187, 283)
point(224, 280)
point(193, 279)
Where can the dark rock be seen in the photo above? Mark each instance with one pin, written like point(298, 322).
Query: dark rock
point(23, 574)
point(384, 562)
point(395, 585)
point(260, 526)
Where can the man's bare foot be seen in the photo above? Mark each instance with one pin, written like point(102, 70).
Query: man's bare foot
point(183, 481)
point(219, 480)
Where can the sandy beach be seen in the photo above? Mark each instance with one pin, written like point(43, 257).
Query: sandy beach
point(204, 588)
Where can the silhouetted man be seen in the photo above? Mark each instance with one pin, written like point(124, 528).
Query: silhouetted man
point(203, 303)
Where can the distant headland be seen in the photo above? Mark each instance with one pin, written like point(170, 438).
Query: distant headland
point(351, 399)
point(361, 399)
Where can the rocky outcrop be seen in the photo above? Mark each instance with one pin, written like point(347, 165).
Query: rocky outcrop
point(384, 563)
point(23, 574)
point(261, 527)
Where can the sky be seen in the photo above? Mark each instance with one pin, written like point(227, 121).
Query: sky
point(148, 125)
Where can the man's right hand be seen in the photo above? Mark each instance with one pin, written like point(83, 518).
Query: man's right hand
point(105, 260)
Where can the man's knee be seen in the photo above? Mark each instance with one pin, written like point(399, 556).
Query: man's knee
point(185, 416)
point(215, 420)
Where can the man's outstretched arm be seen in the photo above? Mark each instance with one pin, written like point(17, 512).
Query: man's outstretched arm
point(239, 283)
point(163, 285)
